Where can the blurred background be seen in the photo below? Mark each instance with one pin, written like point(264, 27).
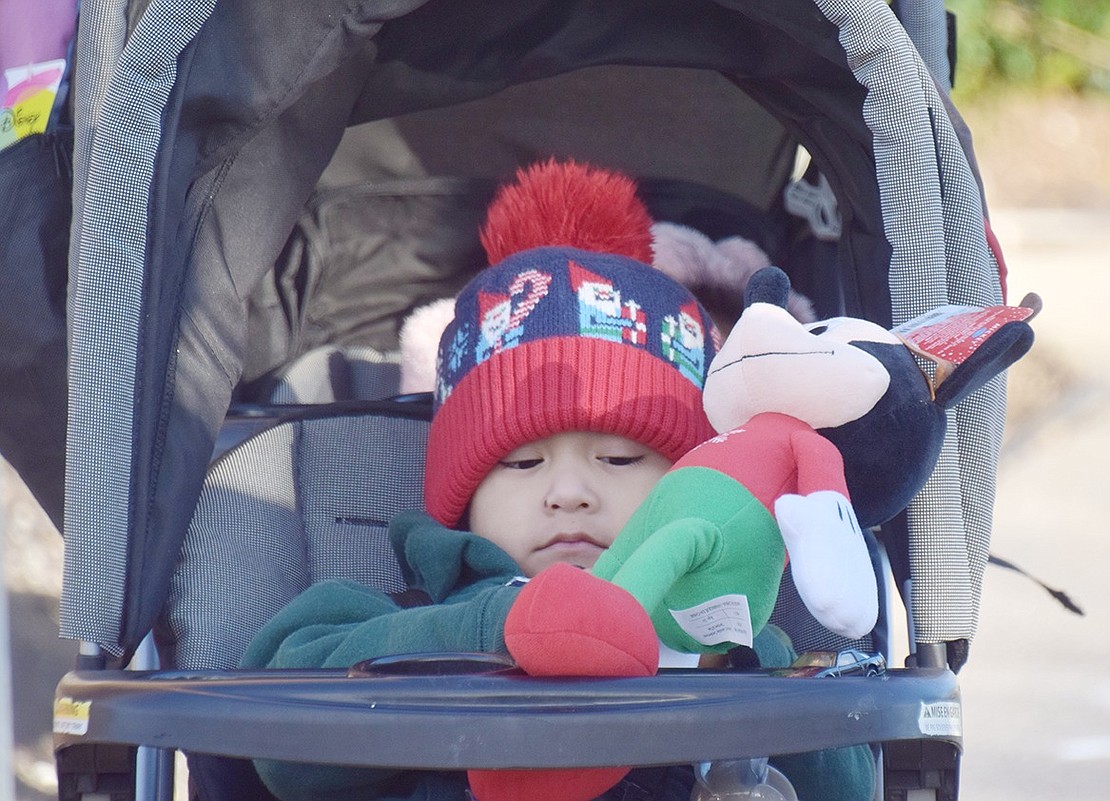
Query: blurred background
point(1033, 82)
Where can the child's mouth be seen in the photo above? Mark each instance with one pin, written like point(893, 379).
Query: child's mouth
point(577, 549)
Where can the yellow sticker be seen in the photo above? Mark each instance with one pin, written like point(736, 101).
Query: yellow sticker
point(26, 105)
point(70, 716)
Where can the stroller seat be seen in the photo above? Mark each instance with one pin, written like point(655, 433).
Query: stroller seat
point(304, 500)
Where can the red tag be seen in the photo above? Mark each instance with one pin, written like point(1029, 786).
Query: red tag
point(952, 333)
point(948, 335)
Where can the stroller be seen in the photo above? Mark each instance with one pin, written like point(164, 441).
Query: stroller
point(264, 190)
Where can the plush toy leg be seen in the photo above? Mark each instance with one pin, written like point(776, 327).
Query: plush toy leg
point(548, 785)
point(567, 622)
point(829, 561)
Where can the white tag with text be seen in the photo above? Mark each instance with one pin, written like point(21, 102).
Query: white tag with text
point(723, 619)
point(941, 719)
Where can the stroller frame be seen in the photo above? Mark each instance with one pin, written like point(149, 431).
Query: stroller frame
point(171, 143)
point(424, 718)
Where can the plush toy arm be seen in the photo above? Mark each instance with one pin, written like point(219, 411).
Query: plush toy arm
point(674, 550)
point(566, 622)
point(828, 555)
point(829, 561)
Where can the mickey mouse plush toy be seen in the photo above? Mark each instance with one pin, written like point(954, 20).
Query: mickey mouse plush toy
point(823, 426)
point(810, 415)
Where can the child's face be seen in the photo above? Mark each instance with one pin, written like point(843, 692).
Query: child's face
point(564, 498)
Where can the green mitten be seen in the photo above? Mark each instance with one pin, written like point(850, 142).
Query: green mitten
point(703, 556)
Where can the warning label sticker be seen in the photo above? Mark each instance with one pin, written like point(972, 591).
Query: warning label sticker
point(941, 719)
point(952, 333)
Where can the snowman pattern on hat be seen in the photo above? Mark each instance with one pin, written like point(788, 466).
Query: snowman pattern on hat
point(603, 308)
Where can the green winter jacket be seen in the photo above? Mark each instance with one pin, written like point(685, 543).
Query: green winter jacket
point(470, 582)
point(338, 623)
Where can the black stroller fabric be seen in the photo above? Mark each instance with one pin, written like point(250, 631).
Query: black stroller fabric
point(36, 182)
point(230, 160)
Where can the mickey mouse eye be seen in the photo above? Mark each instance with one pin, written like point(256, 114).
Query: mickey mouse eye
point(850, 329)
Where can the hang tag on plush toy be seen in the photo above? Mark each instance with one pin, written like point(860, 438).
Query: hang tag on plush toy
point(723, 619)
point(948, 335)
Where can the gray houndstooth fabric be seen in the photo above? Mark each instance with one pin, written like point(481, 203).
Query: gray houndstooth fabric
point(121, 94)
point(301, 502)
point(933, 220)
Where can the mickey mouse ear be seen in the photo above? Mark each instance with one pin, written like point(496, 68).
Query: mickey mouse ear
point(769, 285)
point(1005, 346)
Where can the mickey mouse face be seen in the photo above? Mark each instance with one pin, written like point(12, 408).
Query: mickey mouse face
point(772, 363)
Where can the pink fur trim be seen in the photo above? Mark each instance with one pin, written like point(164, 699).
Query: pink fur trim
point(693, 259)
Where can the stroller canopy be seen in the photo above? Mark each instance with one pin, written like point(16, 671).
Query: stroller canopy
point(203, 128)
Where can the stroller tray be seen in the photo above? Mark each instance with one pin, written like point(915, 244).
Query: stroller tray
point(484, 721)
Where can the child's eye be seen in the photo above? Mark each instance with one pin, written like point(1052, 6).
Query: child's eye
point(520, 464)
point(621, 461)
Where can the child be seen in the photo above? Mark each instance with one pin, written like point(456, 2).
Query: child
point(568, 382)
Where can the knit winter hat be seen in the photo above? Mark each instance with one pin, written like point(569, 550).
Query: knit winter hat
point(569, 331)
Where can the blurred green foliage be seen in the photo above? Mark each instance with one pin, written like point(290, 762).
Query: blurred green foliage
point(1040, 45)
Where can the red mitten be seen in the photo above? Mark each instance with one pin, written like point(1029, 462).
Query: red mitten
point(567, 622)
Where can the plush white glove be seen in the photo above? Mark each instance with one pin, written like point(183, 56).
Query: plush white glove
point(829, 561)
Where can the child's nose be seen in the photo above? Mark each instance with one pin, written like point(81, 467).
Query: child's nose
point(569, 491)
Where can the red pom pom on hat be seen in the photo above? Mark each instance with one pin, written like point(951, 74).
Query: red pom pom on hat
point(568, 204)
